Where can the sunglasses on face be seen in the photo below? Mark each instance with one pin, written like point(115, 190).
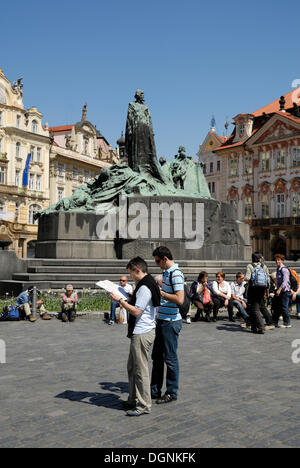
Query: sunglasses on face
point(122, 281)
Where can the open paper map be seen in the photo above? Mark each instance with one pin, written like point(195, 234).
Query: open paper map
point(110, 287)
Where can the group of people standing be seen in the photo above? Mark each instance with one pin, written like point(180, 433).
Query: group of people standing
point(155, 319)
point(249, 294)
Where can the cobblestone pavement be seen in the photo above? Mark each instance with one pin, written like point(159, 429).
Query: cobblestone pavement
point(63, 384)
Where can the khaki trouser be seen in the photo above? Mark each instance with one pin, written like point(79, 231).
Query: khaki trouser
point(27, 309)
point(138, 371)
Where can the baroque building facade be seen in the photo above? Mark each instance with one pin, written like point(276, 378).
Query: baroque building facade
point(21, 134)
point(40, 165)
point(261, 174)
point(211, 162)
point(78, 153)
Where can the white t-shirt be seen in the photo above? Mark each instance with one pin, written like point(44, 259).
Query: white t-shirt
point(146, 321)
point(225, 289)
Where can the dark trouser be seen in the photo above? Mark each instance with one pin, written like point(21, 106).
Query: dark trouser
point(282, 308)
point(165, 351)
point(207, 308)
point(266, 314)
point(219, 302)
point(256, 295)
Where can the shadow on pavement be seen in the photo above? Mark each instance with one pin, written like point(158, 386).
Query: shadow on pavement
point(106, 400)
point(233, 328)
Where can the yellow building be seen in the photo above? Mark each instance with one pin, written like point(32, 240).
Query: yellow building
point(21, 134)
point(78, 153)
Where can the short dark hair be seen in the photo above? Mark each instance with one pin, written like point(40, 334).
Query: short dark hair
point(239, 274)
point(139, 263)
point(256, 257)
point(280, 256)
point(162, 252)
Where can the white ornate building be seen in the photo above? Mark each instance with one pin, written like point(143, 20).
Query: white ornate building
point(261, 174)
point(21, 134)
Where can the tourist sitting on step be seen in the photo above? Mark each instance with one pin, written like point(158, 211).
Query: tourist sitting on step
point(201, 295)
point(222, 296)
point(24, 305)
point(238, 291)
point(69, 304)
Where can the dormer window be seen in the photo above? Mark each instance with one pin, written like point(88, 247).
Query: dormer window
point(34, 126)
point(242, 130)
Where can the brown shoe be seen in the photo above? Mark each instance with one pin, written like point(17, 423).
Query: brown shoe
point(46, 317)
point(31, 318)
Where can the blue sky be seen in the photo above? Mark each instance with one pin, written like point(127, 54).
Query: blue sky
point(192, 59)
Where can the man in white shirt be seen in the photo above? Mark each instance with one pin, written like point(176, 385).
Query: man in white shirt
point(114, 304)
point(143, 306)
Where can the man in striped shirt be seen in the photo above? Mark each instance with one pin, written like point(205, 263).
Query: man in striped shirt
point(168, 327)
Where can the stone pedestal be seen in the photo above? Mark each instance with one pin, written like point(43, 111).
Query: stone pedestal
point(192, 228)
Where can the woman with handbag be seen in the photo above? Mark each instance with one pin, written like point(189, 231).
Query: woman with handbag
point(201, 297)
point(222, 296)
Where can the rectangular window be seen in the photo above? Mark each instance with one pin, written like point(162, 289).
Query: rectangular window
point(1, 118)
point(211, 167)
point(39, 154)
point(60, 194)
point(2, 175)
point(75, 173)
point(32, 151)
point(280, 159)
point(61, 170)
point(265, 161)
point(38, 183)
point(248, 169)
point(280, 206)
point(86, 176)
point(17, 181)
point(248, 208)
point(296, 204)
point(204, 168)
point(218, 166)
point(234, 167)
point(296, 156)
point(31, 181)
point(265, 208)
point(18, 121)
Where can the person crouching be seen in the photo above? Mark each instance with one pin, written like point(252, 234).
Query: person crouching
point(69, 304)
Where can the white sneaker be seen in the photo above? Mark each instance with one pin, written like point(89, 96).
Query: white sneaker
point(188, 320)
point(285, 326)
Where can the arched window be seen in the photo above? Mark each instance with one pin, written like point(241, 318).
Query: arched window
point(34, 126)
point(33, 209)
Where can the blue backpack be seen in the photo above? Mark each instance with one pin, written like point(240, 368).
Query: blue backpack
point(10, 314)
point(259, 277)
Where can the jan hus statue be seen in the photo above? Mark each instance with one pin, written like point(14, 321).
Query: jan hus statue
point(139, 140)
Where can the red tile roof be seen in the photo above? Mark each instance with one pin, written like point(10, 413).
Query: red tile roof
point(275, 106)
point(64, 128)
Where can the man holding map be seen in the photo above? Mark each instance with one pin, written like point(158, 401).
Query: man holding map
point(141, 331)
